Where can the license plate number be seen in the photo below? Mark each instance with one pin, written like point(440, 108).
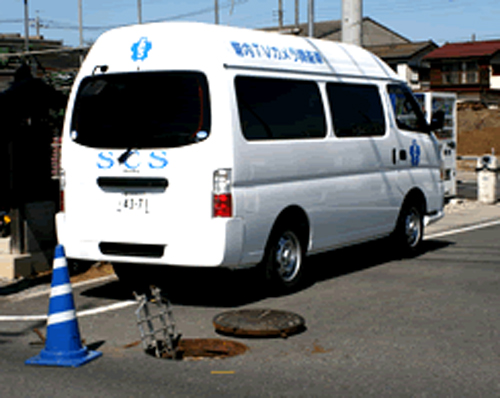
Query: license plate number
point(136, 204)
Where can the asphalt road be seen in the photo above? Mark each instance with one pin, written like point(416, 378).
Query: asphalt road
point(376, 326)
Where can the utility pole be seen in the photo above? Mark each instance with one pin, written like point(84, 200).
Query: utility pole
point(216, 12)
point(297, 19)
point(139, 11)
point(26, 27)
point(37, 25)
point(80, 21)
point(280, 14)
point(310, 18)
point(352, 22)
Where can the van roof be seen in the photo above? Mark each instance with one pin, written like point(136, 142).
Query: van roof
point(174, 45)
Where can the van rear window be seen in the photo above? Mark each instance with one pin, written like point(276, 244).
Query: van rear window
point(142, 110)
point(274, 109)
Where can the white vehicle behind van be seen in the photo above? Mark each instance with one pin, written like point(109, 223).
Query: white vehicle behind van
point(189, 145)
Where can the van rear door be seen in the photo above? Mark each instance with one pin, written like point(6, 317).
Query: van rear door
point(131, 137)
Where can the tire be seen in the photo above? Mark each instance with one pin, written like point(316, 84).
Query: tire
point(284, 260)
point(410, 229)
point(132, 277)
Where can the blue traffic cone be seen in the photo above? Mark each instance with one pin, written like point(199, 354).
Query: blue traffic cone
point(63, 346)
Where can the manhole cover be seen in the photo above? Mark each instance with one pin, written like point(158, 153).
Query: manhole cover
point(259, 323)
point(204, 348)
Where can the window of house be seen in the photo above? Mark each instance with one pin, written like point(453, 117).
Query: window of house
point(356, 110)
point(471, 72)
point(451, 73)
point(460, 72)
point(279, 108)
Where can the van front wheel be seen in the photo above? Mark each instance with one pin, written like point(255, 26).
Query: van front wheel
point(284, 260)
point(410, 229)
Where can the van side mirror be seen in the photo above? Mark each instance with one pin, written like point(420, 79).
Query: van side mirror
point(437, 122)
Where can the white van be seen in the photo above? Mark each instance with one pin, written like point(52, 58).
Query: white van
point(198, 145)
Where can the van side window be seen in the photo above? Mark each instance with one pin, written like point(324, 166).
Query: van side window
point(356, 110)
point(279, 109)
point(407, 112)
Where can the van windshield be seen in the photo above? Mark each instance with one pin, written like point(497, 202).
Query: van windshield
point(141, 110)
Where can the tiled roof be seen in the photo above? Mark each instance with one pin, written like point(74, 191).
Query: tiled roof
point(465, 50)
point(401, 50)
point(328, 29)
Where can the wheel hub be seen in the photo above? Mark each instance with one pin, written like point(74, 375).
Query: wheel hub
point(412, 228)
point(288, 257)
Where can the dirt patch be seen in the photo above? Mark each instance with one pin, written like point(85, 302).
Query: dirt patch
point(96, 271)
point(478, 131)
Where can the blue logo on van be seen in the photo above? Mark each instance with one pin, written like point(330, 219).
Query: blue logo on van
point(415, 153)
point(140, 50)
point(256, 50)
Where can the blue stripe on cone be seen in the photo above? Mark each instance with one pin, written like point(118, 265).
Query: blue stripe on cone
point(60, 276)
point(63, 346)
point(59, 252)
point(61, 303)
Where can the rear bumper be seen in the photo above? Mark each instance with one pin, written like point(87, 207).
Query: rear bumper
point(216, 243)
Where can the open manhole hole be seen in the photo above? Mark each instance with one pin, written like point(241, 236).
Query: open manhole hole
point(259, 323)
point(201, 348)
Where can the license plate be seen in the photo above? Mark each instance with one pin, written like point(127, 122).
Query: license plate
point(133, 203)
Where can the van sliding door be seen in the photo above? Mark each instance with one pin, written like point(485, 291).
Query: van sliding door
point(366, 193)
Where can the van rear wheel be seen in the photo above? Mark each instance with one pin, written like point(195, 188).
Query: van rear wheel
point(77, 267)
point(132, 277)
point(284, 260)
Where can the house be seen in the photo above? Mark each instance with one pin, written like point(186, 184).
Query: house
point(374, 33)
point(406, 59)
point(403, 55)
point(471, 69)
point(48, 58)
point(14, 43)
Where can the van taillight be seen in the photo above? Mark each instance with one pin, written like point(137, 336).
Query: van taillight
point(223, 205)
point(222, 199)
point(61, 200)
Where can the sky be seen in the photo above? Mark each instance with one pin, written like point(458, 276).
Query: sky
point(418, 20)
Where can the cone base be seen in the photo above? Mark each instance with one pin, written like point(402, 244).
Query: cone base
point(71, 359)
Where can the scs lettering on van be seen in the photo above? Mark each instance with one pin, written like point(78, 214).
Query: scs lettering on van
point(155, 160)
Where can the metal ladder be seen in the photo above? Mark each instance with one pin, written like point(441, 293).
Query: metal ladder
point(163, 340)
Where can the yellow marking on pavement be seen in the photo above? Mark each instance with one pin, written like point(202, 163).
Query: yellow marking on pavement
point(222, 372)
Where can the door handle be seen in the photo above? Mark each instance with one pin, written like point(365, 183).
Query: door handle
point(403, 156)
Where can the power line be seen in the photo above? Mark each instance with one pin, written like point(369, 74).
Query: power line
point(12, 20)
point(58, 25)
point(200, 12)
